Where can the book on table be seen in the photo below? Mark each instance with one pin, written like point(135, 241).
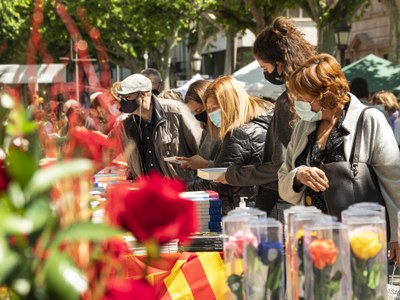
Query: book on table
point(211, 173)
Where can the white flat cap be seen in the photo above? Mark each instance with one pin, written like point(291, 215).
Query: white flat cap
point(134, 83)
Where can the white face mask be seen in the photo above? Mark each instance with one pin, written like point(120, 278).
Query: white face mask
point(303, 109)
point(215, 117)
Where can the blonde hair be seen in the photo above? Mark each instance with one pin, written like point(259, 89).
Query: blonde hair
point(388, 99)
point(320, 77)
point(114, 90)
point(237, 107)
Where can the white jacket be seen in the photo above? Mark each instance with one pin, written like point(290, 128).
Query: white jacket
point(378, 148)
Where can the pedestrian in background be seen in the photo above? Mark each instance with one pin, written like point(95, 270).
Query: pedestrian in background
point(326, 133)
point(240, 122)
point(279, 50)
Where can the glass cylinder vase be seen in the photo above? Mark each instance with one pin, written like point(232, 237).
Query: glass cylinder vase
point(288, 215)
point(367, 237)
point(326, 261)
point(264, 260)
point(235, 237)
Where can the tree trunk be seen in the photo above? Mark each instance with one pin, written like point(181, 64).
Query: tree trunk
point(393, 9)
point(326, 39)
point(230, 54)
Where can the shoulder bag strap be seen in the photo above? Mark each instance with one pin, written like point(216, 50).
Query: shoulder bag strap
point(355, 153)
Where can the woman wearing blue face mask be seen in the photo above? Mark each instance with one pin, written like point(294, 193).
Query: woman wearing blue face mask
point(240, 122)
point(325, 134)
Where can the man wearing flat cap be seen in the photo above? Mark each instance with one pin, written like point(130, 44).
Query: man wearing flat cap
point(151, 129)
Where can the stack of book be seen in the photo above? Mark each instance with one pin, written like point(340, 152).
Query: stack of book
point(209, 209)
point(139, 249)
point(202, 242)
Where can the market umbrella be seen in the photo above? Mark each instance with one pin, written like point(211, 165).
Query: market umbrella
point(380, 73)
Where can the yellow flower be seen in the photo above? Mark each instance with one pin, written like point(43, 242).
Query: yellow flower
point(365, 244)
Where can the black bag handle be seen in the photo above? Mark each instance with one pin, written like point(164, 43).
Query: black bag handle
point(355, 153)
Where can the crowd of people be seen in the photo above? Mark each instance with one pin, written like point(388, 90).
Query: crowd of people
point(273, 151)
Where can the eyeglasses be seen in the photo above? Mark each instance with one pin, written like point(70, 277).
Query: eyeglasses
point(130, 97)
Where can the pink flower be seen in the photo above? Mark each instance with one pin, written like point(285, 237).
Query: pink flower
point(239, 241)
point(152, 209)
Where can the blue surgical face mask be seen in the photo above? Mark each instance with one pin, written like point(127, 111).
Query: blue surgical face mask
point(303, 109)
point(215, 117)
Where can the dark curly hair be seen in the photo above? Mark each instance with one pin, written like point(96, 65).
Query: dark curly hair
point(283, 42)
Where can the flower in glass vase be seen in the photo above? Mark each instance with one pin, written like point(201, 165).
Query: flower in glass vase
point(323, 254)
point(234, 248)
point(270, 254)
point(366, 269)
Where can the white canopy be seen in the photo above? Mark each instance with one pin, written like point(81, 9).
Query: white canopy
point(45, 73)
point(184, 88)
point(252, 79)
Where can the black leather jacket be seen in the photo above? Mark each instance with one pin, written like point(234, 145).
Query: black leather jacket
point(245, 146)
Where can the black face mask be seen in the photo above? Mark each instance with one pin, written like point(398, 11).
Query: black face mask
point(274, 77)
point(202, 117)
point(128, 106)
point(155, 92)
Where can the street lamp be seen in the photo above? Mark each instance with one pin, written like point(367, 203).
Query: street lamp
point(342, 31)
point(196, 62)
point(146, 57)
point(76, 60)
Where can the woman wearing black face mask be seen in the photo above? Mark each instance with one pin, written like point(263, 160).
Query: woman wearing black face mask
point(208, 146)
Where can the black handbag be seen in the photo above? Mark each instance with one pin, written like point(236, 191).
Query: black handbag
point(351, 181)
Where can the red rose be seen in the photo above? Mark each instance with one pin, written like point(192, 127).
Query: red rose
point(88, 144)
point(115, 247)
point(4, 180)
point(151, 208)
point(122, 289)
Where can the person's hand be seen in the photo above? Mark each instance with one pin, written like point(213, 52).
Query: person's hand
point(193, 163)
point(394, 253)
point(313, 177)
point(221, 179)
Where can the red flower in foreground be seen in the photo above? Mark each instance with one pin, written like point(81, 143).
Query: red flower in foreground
point(88, 144)
point(153, 209)
point(323, 252)
point(4, 180)
point(122, 289)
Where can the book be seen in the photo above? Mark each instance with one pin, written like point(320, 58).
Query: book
point(173, 160)
point(199, 195)
point(211, 173)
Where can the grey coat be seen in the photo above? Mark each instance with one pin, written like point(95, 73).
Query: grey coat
point(177, 133)
point(378, 148)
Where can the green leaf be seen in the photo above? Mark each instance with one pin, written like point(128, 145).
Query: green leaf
point(11, 223)
point(16, 195)
point(44, 179)
point(21, 165)
point(64, 280)
point(86, 231)
point(39, 212)
point(8, 259)
point(374, 276)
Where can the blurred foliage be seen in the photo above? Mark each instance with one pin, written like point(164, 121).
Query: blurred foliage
point(126, 29)
point(33, 264)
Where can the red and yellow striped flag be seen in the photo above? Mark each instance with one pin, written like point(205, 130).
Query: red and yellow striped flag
point(187, 275)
